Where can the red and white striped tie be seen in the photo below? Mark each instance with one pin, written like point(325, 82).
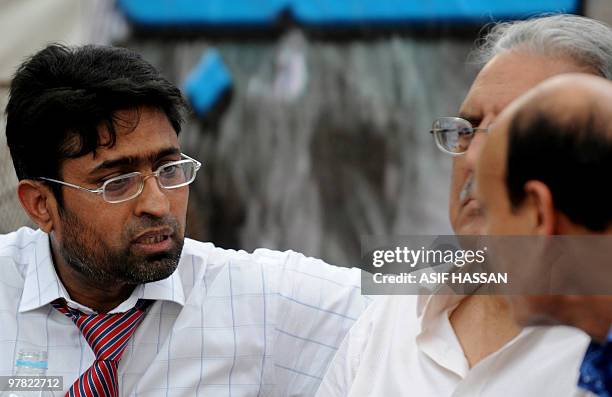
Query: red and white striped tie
point(107, 335)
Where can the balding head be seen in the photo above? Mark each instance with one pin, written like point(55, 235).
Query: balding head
point(549, 157)
point(545, 170)
point(571, 102)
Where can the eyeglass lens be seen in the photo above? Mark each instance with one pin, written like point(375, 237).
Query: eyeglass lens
point(453, 134)
point(169, 176)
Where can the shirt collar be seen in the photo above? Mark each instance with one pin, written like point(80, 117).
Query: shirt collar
point(441, 299)
point(435, 337)
point(42, 285)
point(430, 307)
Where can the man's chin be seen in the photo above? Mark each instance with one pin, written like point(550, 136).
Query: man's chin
point(151, 270)
point(469, 220)
point(470, 226)
point(155, 266)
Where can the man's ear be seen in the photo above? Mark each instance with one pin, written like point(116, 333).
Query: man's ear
point(38, 202)
point(540, 198)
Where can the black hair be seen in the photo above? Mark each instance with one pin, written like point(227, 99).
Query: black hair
point(61, 96)
point(571, 155)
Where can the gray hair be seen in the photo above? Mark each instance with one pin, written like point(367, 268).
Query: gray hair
point(583, 40)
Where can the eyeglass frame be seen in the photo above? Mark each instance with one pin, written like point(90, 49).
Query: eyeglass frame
point(155, 173)
point(441, 130)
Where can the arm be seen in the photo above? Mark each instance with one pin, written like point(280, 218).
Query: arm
point(316, 305)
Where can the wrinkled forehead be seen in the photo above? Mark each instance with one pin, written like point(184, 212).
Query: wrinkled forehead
point(507, 76)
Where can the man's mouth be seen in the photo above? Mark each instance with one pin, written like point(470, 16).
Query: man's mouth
point(153, 241)
point(153, 236)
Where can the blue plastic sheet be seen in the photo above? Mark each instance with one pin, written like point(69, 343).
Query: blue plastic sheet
point(159, 13)
point(207, 82)
point(222, 13)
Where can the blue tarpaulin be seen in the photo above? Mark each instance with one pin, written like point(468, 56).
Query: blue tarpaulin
point(207, 82)
point(161, 13)
point(222, 13)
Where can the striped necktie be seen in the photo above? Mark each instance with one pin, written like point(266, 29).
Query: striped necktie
point(107, 335)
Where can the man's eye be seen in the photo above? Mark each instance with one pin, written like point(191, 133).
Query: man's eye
point(169, 170)
point(465, 131)
point(118, 184)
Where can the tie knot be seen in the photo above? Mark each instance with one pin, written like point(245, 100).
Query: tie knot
point(106, 334)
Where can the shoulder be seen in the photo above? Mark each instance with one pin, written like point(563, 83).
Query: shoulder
point(19, 240)
point(291, 264)
point(17, 249)
point(381, 319)
point(206, 254)
point(561, 342)
point(214, 254)
point(378, 324)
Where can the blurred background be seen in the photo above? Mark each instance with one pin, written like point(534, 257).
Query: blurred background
point(311, 117)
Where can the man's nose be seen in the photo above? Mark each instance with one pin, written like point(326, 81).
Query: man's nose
point(153, 200)
point(473, 151)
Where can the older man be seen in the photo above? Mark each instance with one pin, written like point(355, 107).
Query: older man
point(560, 191)
point(466, 346)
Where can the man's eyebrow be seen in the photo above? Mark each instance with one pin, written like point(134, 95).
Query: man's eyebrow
point(471, 117)
point(133, 160)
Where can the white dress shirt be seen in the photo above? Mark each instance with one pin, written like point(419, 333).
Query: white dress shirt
point(225, 323)
point(405, 346)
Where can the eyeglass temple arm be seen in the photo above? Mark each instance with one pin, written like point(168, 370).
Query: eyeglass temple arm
point(448, 129)
point(198, 164)
point(98, 191)
point(433, 131)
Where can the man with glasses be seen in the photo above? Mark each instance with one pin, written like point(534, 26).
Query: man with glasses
point(108, 295)
point(442, 345)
